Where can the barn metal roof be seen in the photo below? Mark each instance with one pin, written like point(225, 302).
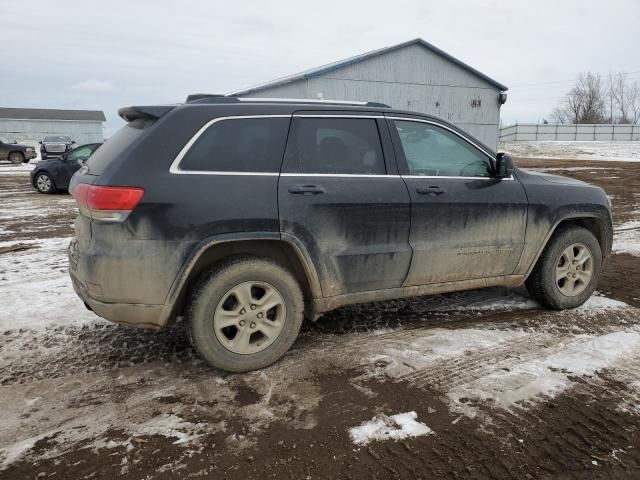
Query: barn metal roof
point(51, 114)
point(314, 72)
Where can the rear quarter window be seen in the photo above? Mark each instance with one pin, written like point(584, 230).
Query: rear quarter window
point(115, 146)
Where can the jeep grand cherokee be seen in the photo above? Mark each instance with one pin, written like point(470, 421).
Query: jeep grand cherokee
point(244, 216)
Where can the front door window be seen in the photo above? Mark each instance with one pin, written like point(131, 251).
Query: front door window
point(433, 151)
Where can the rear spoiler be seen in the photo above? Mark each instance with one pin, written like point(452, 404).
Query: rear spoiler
point(154, 112)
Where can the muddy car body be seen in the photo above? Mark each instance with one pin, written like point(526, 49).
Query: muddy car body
point(210, 208)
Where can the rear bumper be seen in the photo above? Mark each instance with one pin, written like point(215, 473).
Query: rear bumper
point(126, 283)
point(133, 314)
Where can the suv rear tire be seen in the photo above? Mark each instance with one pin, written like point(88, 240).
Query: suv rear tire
point(245, 314)
point(567, 272)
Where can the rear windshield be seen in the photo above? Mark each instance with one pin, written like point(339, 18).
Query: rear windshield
point(114, 146)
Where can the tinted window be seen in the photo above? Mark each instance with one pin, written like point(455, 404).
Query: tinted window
point(117, 144)
point(339, 145)
point(58, 139)
point(434, 151)
point(81, 153)
point(239, 145)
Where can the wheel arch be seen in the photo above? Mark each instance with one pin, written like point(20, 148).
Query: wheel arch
point(285, 251)
point(10, 152)
point(594, 223)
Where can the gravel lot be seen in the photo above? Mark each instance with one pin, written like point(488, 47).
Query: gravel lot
point(491, 385)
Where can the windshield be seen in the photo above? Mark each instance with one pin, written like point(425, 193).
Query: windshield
point(3, 140)
point(59, 138)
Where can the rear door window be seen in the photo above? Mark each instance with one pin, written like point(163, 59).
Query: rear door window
point(239, 145)
point(339, 146)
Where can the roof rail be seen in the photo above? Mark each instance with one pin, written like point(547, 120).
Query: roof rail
point(312, 100)
point(205, 98)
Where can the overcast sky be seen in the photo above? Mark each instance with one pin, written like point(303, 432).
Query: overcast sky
point(107, 54)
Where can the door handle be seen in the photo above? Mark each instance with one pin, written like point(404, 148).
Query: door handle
point(306, 189)
point(433, 190)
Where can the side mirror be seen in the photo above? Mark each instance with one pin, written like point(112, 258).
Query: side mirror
point(504, 165)
point(15, 142)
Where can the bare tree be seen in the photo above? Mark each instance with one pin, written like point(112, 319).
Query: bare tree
point(594, 100)
point(585, 103)
point(620, 94)
point(633, 100)
point(626, 96)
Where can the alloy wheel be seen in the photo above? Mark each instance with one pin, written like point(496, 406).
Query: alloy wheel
point(574, 270)
point(249, 317)
point(43, 183)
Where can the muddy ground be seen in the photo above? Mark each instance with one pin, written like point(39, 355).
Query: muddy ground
point(508, 390)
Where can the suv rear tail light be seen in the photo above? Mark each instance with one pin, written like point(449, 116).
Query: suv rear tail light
point(107, 204)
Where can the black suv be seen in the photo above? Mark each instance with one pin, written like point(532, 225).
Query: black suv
point(244, 216)
point(55, 146)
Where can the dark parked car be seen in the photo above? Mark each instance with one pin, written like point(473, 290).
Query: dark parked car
point(55, 146)
point(54, 174)
point(15, 152)
point(243, 216)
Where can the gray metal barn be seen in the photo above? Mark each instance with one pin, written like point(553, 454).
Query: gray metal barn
point(413, 75)
point(31, 125)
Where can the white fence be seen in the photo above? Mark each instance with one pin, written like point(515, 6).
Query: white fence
point(523, 132)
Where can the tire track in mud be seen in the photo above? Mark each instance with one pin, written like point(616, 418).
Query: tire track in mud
point(35, 355)
point(453, 372)
point(29, 355)
point(582, 423)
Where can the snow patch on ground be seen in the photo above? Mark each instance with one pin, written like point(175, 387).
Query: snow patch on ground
point(137, 417)
point(13, 452)
point(607, 151)
point(626, 238)
point(395, 427)
point(438, 344)
point(22, 169)
point(547, 375)
point(599, 303)
point(36, 288)
point(511, 301)
point(505, 368)
point(172, 426)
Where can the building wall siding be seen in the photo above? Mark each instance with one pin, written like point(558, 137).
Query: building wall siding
point(411, 78)
point(33, 131)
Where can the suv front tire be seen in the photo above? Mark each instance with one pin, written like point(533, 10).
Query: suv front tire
point(245, 314)
point(567, 272)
